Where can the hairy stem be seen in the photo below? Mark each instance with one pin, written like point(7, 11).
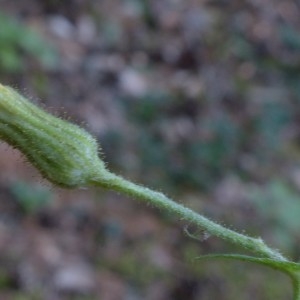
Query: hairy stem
point(255, 245)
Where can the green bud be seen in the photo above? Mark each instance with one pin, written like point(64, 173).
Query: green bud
point(64, 153)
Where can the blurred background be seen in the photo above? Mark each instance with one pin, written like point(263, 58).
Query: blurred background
point(199, 99)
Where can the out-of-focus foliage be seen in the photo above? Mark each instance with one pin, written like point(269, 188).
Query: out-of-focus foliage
point(279, 205)
point(30, 198)
point(209, 148)
point(17, 42)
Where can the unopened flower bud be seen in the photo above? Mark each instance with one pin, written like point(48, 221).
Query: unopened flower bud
point(64, 153)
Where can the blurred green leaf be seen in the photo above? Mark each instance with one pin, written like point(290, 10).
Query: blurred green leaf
point(18, 41)
point(30, 198)
point(279, 203)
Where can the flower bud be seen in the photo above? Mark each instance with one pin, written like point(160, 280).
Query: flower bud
point(64, 153)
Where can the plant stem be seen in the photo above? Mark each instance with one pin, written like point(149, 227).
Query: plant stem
point(296, 286)
point(255, 245)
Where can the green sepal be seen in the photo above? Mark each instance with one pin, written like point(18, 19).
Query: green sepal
point(64, 153)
